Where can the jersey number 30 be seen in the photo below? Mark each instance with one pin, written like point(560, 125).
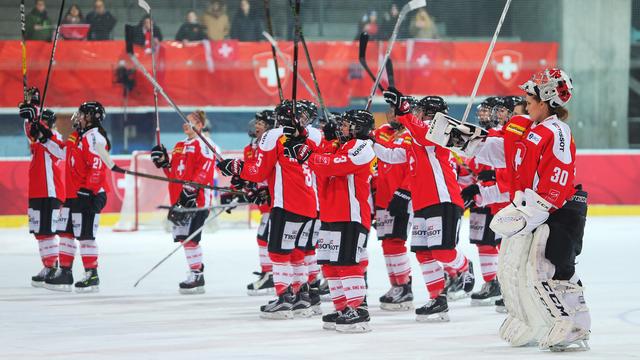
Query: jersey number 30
point(560, 176)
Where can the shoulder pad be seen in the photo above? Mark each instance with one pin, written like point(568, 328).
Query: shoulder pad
point(561, 139)
point(270, 139)
point(314, 135)
point(361, 152)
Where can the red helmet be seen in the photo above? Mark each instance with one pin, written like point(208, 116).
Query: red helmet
point(552, 85)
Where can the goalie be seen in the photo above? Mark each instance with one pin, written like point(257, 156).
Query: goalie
point(544, 224)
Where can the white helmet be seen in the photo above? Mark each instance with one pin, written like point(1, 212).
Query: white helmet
point(552, 85)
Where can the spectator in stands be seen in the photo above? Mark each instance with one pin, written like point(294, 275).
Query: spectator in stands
point(422, 26)
point(389, 20)
point(74, 15)
point(142, 34)
point(245, 25)
point(38, 25)
point(191, 30)
point(216, 20)
point(101, 21)
point(369, 24)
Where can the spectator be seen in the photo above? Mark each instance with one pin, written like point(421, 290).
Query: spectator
point(389, 20)
point(38, 25)
point(101, 21)
point(191, 30)
point(245, 25)
point(74, 16)
point(142, 34)
point(369, 24)
point(422, 26)
point(216, 20)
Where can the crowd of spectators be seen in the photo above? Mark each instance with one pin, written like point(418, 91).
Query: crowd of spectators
point(420, 25)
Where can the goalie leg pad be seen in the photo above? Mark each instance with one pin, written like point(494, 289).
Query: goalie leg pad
point(562, 300)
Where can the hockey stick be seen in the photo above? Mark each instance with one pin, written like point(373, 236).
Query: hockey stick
point(23, 28)
point(145, 6)
point(390, 76)
point(485, 62)
point(154, 83)
point(273, 42)
point(410, 6)
point(325, 112)
point(53, 54)
point(362, 56)
point(296, 36)
point(188, 239)
point(214, 207)
point(267, 12)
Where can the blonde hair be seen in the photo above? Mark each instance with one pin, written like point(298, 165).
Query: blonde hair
point(201, 116)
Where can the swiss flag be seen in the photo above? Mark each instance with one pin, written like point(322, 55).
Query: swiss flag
point(507, 65)
point(224, 50)
point(429, 62)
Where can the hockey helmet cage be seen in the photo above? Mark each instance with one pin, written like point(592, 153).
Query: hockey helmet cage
point(94, 110)
point(551, 85)
point(360, 124)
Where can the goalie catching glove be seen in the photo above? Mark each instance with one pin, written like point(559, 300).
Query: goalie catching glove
point(527, 211)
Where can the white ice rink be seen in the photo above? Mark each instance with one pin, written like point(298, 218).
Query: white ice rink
point(154, 322)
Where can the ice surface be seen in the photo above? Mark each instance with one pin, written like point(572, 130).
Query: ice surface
point(154, 322)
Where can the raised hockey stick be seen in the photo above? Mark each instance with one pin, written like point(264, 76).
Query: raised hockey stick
point(485, 62)
point(362, 56)
point(273, 42)
point(188, 239)
point(53, 54)
point(145, 6)
point(296, 37)
point(154, 83)
point(325, 112)
point(267, 13)
point(390, 76)
point(410, 6)
point(23, 29)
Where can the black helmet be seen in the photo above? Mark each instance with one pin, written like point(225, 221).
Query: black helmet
point(94, 110)
point(360, 124)
point(49, 117)
point(266, 116)
point(33, 96)
point(308, 109)
point(484, 109)
point(284, 112)
point(430, 105)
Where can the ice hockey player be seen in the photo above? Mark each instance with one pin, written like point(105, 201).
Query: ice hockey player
point(264, 121)
point(393, 214)
point(87, 185)
point(191, 160)
point(436, 201)
point(46, 187)
point(293, 201)
point(543, 226)
point(345, 214)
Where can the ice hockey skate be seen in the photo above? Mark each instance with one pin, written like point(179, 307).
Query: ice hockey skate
point(262, 286)
point(302, 303)
point(435, 310)
point(194, 283)
point(488, 294)
point(329, 320)
point(500, 308)
point(398, 298)
point(60, 281)
point(90, 283)
point(353, 321)
point(280, 308)
point(38, 279)
point(461, 286)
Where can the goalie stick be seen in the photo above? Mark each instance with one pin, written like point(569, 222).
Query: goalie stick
point(267, 13)
point(145, 6)
point(410, 6)
point(154, 83)
point(188, 239)
point(23, 29)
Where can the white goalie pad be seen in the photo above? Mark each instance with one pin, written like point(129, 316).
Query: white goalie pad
point(462, 138)
point(526, 212)
point(561, 301)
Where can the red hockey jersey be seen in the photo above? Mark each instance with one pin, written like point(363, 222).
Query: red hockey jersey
point(390, 177)
point(46, 167)
point(250, 153)
point(344, 182)
point(88, 165)
point(433, 176)
point(191, 160)
point(72, 156)
point(291, 185)
point(539, 156)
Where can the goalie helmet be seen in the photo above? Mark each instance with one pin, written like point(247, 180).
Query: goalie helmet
point(551, 85)
point(430, 105)
point(94, 110)
point(360, 125)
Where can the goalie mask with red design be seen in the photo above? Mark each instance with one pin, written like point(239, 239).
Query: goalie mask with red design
point(552, 85)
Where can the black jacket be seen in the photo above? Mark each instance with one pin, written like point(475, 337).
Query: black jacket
point(101, 25)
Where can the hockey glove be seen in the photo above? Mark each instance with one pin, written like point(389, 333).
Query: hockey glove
point(188, 196)
point(160, 157)
point(259, 196)
point(487, 175)
point(329, 130)
point(179, 218)
point(237, 183)
point(468, 195)
point(399, 204)
point(28, 112)
point(84, 202)
point(399, 102)
point(297, 149)
point(230, 167)
point(526, 212)
point(44, 132)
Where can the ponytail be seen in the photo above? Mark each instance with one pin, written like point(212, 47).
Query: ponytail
point(103, 132)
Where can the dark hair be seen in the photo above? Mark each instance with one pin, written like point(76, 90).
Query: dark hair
point(559, 111)
point(77, 7)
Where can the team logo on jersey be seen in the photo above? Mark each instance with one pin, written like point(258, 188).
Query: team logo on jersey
point(264, 70)
point(516, 129)
point(518, 158)
point(534, 138)
point(506, 65)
